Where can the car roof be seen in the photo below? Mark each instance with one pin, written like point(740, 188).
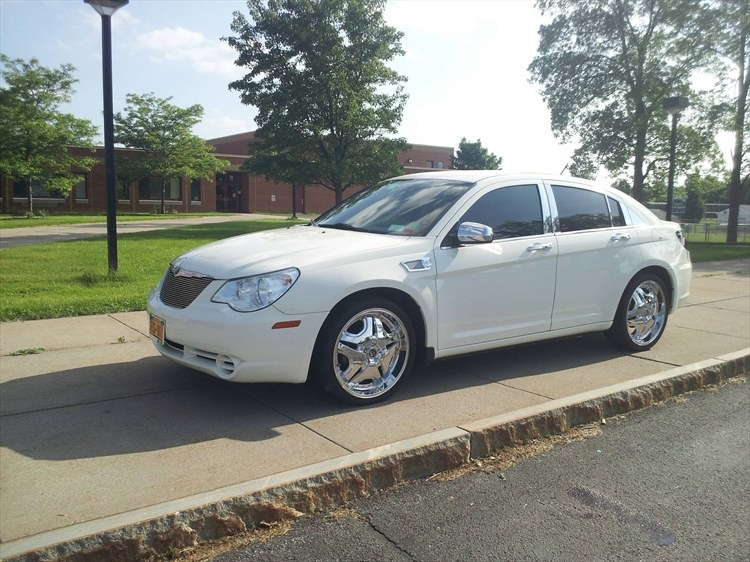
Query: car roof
point(481, 175)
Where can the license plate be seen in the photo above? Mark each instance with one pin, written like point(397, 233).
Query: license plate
point(156, 328)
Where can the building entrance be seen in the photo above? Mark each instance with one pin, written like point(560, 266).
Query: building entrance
point(227, 194)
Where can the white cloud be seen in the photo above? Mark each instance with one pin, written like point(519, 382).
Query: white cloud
point(175, 44)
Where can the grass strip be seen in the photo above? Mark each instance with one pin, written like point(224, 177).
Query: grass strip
point(71, 278)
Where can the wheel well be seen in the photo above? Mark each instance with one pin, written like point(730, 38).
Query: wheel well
point(662, 274)
point(405, 302)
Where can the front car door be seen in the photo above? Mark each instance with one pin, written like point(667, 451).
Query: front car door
point(503, 289)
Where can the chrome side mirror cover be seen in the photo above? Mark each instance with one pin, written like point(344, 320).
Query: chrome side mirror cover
point(474, 233)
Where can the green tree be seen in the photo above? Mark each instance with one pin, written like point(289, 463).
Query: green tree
point(732, 19)
point(35, 136)
point(473, 156)
point(582, 165)
point(605, 66)
point(163, 131)
point(318, 75)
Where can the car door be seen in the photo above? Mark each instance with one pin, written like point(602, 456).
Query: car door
point(598, 252)
point(502, 289)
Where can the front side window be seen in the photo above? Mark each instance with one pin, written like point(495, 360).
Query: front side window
point(581, 209)
point(512, 212)
point(404, 207)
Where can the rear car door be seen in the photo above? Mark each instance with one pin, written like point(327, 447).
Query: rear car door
point(492, 291)
point(598, 253)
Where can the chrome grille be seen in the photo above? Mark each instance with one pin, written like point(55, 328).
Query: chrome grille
point(179, 291)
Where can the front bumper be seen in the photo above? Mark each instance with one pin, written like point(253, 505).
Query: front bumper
point(235, 346)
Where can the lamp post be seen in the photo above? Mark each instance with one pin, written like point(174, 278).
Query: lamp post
point(105, 8)
point(674, 106)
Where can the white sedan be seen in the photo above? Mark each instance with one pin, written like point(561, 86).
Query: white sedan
point(422, 267)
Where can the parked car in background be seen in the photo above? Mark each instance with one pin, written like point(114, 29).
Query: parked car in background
point(417, 268)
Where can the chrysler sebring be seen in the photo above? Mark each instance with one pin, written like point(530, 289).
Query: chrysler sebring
point(417, 268)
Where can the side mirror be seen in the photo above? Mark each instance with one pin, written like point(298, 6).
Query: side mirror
point(474, 233)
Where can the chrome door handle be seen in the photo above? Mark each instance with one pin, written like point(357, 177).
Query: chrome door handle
point(538, 247)
point(620, 237)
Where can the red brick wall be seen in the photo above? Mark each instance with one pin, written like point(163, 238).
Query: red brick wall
point(254, 194)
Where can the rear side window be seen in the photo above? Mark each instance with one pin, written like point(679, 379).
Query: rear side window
point(581, 209)
point(618, 219)
point(511, 211)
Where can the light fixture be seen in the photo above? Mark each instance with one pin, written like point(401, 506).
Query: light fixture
point(106, 7)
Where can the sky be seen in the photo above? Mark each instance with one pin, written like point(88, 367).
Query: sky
point(466, 63)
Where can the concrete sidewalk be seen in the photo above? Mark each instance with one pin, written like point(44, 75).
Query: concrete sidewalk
point(103, 442)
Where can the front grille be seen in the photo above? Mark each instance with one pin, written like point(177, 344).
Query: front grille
point(179, 291)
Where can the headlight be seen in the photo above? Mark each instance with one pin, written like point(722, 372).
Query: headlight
point(257, 292)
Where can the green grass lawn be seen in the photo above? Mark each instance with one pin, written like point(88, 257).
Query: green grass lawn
point(62, 219)
point(71, 279)
point(717, 252)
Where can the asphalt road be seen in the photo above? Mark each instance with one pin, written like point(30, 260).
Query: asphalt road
point(666, 483)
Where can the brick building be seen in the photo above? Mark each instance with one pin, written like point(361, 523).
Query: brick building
point(233, 191)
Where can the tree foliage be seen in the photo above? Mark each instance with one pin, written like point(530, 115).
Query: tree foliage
point(163, 131)
point(473, 156)
point(35, 136)
point(318, 75)
point(605, 66)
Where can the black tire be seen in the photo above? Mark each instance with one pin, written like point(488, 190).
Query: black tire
point(364, 350)
point(641, 314)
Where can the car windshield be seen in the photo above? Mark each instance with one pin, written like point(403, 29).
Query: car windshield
point(404, 207)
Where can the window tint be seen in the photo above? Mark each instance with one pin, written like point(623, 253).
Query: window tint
point(510, 211)
point(618, 219)
point(580, 209)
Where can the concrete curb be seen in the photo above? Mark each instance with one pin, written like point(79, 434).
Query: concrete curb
point(186, 522)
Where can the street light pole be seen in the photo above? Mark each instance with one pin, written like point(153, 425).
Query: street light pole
point(674, 106)
point(105, 8)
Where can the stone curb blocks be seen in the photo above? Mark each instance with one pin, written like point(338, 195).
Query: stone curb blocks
point(184, 523)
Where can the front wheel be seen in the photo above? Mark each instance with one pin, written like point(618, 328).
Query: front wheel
point(641, 315)
point(364, 351)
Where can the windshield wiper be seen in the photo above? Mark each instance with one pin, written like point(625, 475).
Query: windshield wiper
point(342, 226)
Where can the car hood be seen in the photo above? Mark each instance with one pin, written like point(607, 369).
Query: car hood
point(272, 250)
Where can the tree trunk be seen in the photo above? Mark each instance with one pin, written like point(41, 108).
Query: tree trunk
point(735, 184)
point(338, 189)
point(29, 198)
point(163, 198)
point(640, 148)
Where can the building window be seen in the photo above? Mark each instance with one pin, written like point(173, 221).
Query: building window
point(150, 188)
point(195, 190)
point(80, 188)
point(434, 164)
point(37, 189)
point(123, 190)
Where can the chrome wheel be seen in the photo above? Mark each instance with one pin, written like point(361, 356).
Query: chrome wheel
point(371, 353)
point(647, 311)
point(641, 315)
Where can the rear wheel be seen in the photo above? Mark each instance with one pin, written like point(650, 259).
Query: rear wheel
point(641, 315)
point(364, 351)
